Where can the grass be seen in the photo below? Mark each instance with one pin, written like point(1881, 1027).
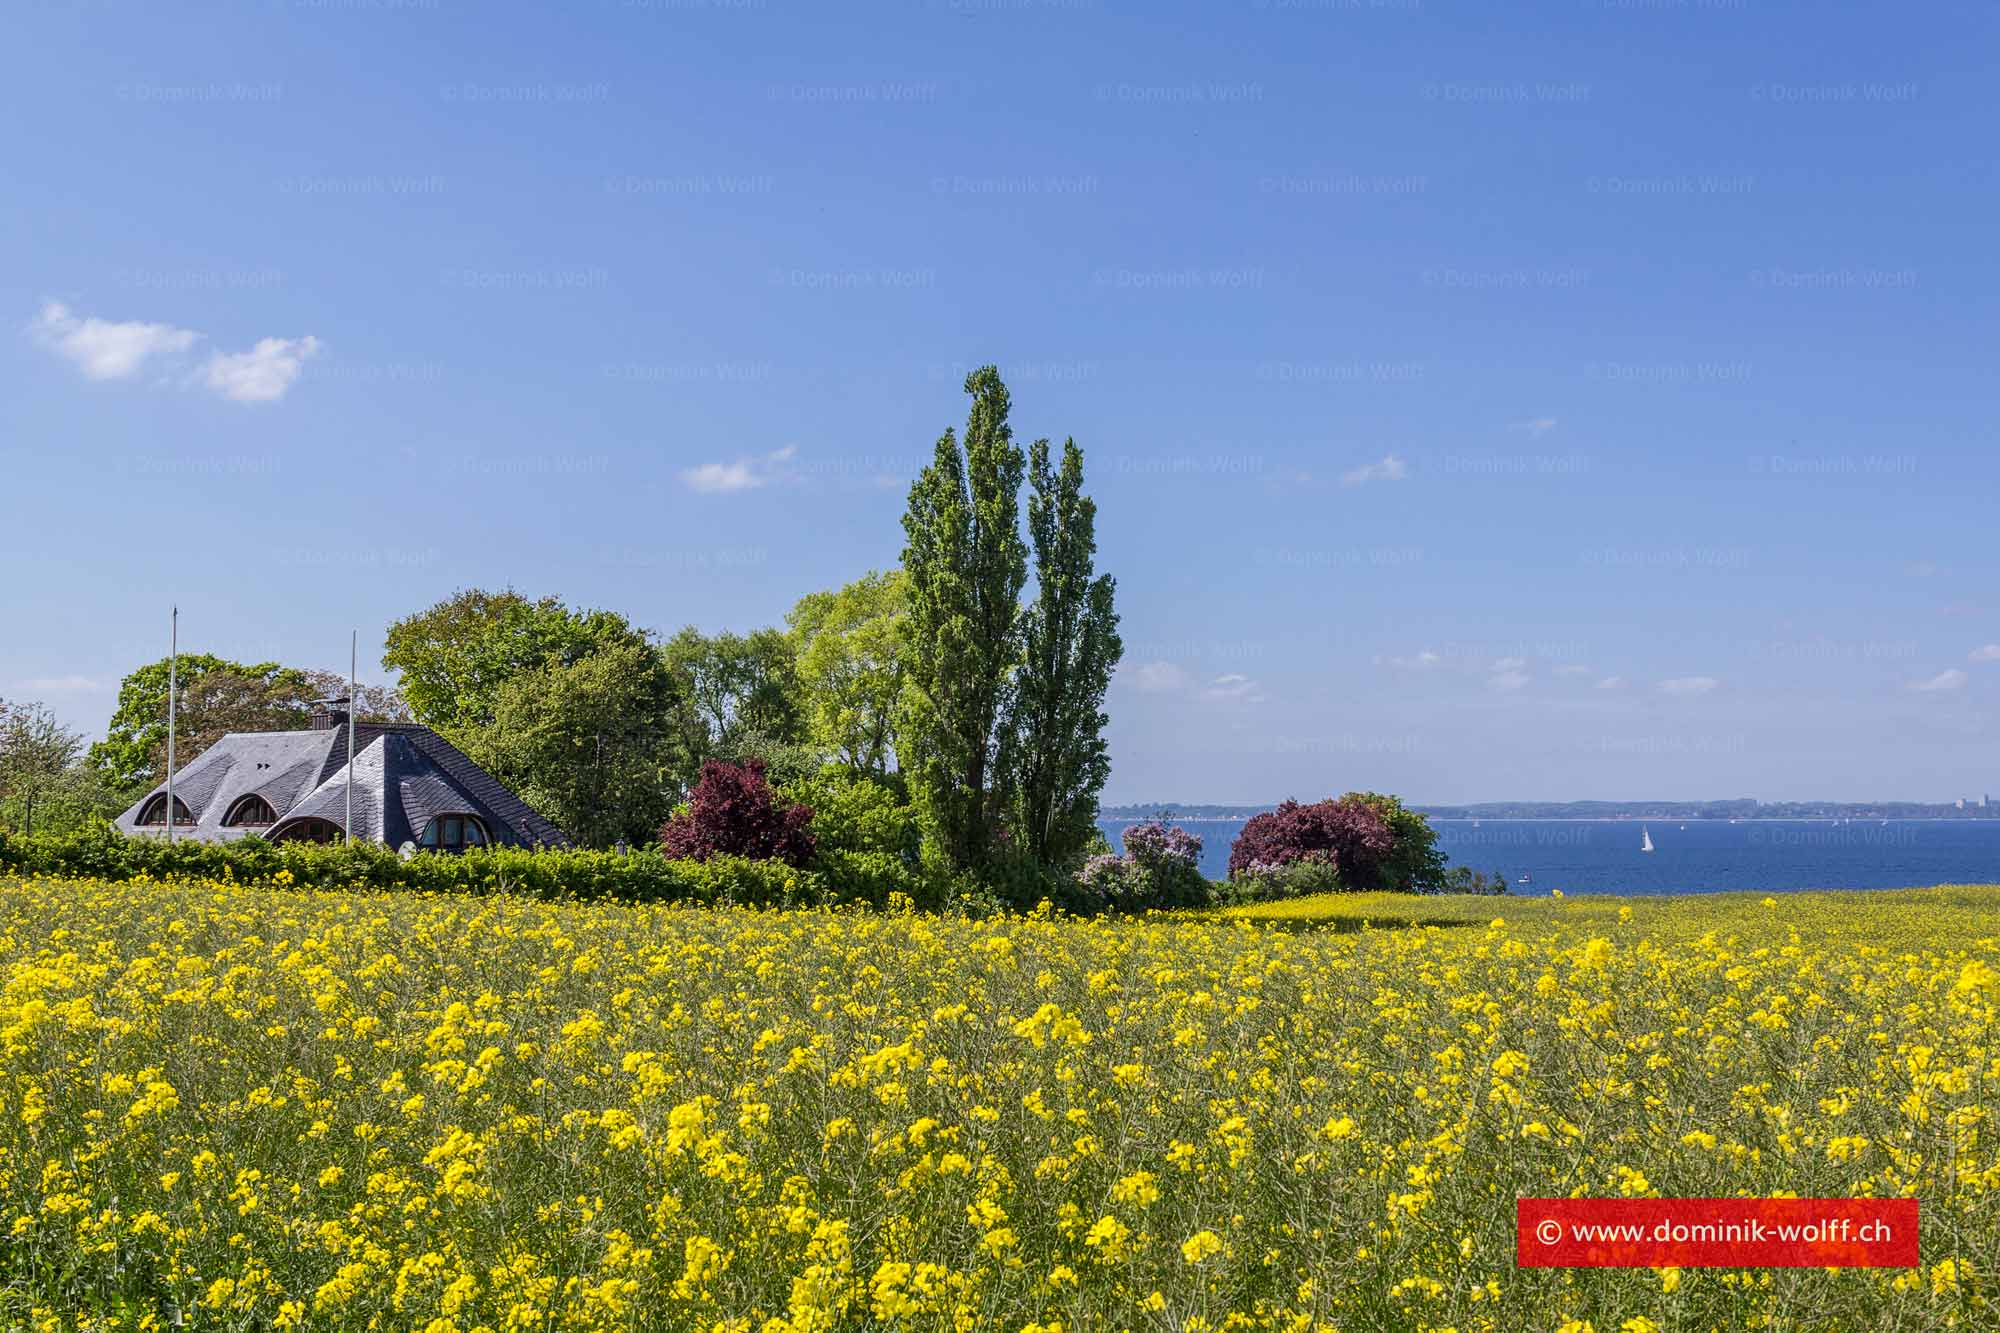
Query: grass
point(236, 1107)
point(1964, 912)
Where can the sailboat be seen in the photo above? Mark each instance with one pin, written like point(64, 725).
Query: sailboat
point(1645, 839)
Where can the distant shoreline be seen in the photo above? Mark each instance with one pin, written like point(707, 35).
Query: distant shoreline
point(1600, 819)
point(1891, 812)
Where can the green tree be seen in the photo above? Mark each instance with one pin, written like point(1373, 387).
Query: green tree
point(368, 703)
point(455, 657)
point(740, 698)
point(590, 744)
point(43, 782)
point(1414, 863)
point(1054, 757)
point(216, 696)
point(852, 645)
point(966, 565)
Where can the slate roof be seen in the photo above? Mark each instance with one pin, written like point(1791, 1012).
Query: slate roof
point(404, 775)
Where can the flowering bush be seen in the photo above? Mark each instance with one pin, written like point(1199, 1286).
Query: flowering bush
point(1109, 878)
point(732, 810)
point(1160, 868)
point(1265, 881)
point(1348, 834)
point(1157, 844)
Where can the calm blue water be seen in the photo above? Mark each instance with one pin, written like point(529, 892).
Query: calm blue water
point(1698, 857)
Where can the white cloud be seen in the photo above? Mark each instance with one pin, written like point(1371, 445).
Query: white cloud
point(65, 685)
point(1688, 685)
point(718, 477)
point(1234, 687)
point(1422, 661)
point(1156, 677)
point(1509, 681)
point(1611, 683)
point(1391, 468)
point(1536, 425)
point(262, 374)
point(1951, 679)
point(105, 349)
point(119, 349)
point(1572, 669)
point(745, 474)
point(1172, 679)
point(1509, 663)
point(1989, 653)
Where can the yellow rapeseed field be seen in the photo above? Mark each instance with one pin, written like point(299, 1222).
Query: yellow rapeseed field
point(229, 1107)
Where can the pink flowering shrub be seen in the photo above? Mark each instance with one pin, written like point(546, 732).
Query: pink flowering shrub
point(1160, 868)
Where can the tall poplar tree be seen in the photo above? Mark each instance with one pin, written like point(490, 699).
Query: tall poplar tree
point(966, 565)
point(1055, 761)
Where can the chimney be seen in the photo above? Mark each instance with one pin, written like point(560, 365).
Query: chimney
point(329, 714)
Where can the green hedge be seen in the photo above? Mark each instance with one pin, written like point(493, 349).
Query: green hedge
point(640, 876)
point(865, 871)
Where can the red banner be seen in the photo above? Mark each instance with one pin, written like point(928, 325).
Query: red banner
point(1716, 1233)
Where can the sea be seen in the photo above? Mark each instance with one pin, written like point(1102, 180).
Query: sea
point(1700, 856)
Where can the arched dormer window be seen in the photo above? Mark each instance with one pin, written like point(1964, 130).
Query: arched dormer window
point(309, 829)
point(251, 811)
point(453, 833)
point(154, 813)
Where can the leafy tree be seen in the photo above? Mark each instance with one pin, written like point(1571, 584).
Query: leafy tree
point(852, 647)
point(455, 657)
point(1349, 835)
point(216, 697)
point(1373, 842)
point(1414, 863)
point(43, 783)
point(739, 698)
point(1464, 879)
point(589, 744)
point(368, 703)
point(1055, 760)
point(966, 565)
point(733, 812)
point(858, 812)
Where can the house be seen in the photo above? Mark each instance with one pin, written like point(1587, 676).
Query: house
point(410, 785)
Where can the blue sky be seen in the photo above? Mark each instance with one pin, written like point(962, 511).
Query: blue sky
point(1590, 400)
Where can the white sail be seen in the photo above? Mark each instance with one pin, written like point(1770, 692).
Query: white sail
point(1645, 839)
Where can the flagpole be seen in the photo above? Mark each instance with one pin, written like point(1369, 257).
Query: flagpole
point(352, 636)
point(173, 683)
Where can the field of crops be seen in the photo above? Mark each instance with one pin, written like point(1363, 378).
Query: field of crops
point(226, 1107)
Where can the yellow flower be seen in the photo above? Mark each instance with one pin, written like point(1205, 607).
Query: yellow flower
point(1201, 1245)
point(1141, 1188)
point(1975, 976)
point(1108, 1237)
